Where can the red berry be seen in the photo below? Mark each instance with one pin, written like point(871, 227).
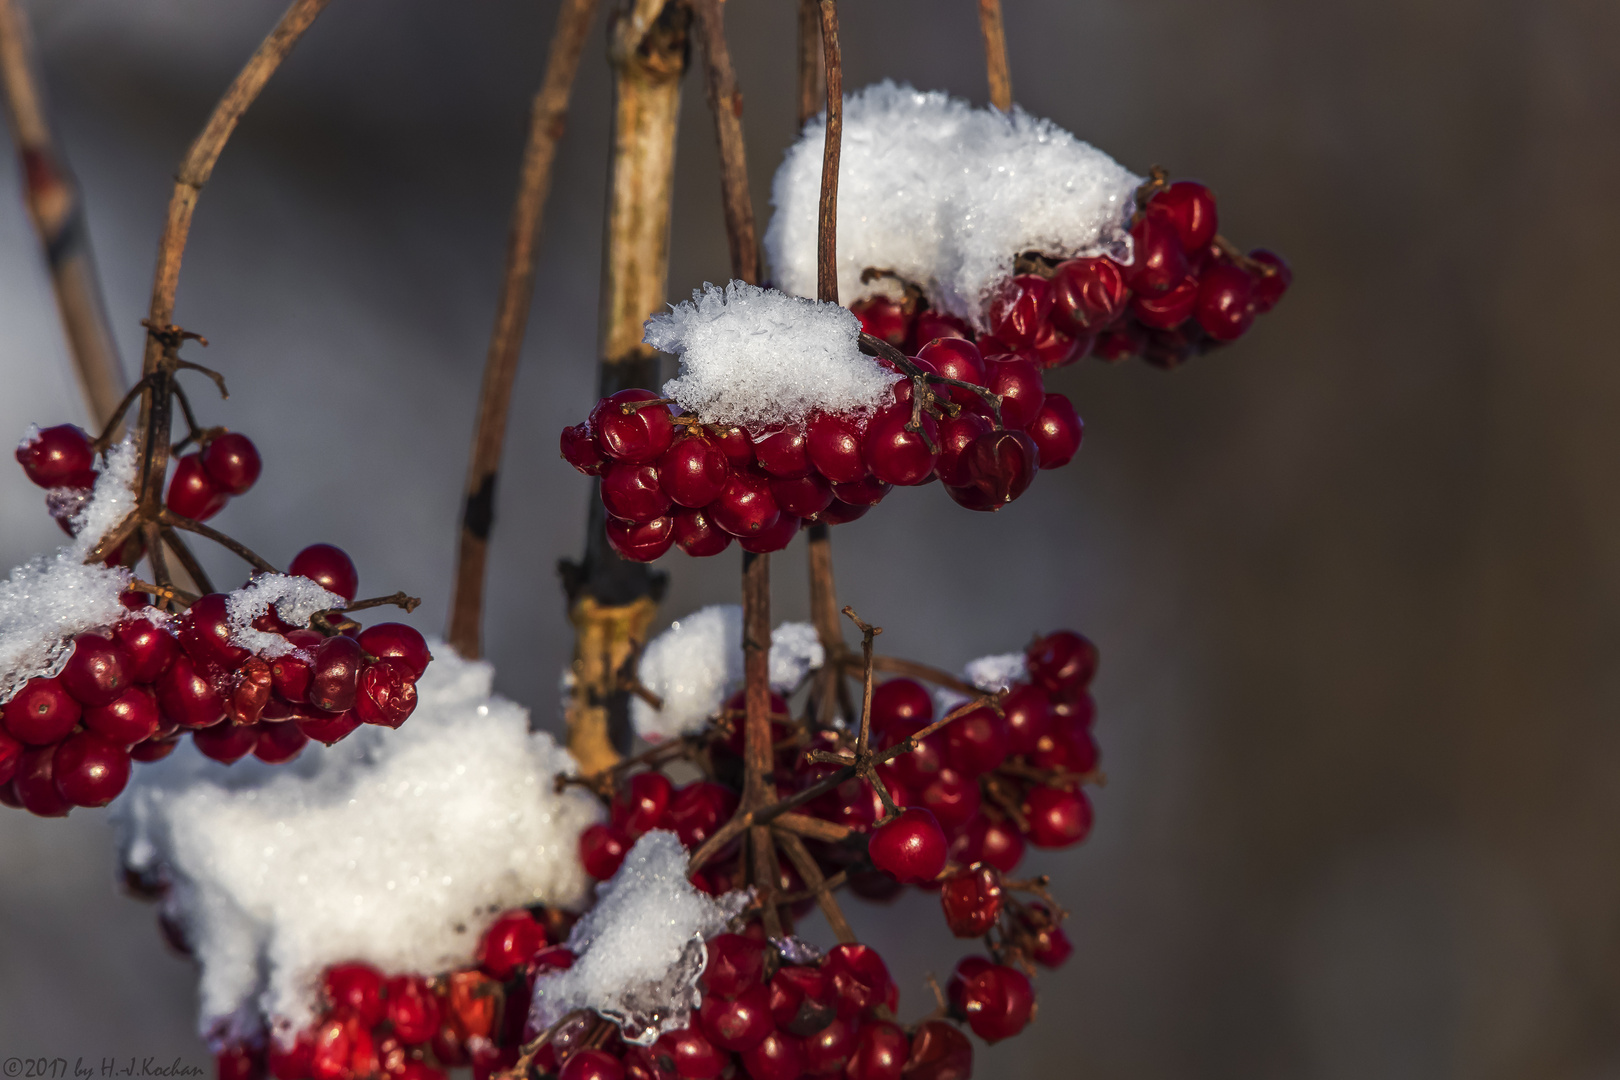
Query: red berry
point(643, 804)
point(805, 497)
point(1190, 207)
point(278, 743)
point(192, 492)
point(335, 680)
point(1028, 711)
point(58, 457)
point(133, 717)
point(697, 535)
point(894, 453)
point(739, 1023)
point(1269, 287)
point(1119, 343)
point(691, 1054)
point(290, 674)
point(11, 752)
point(1062, 661)
point(632, 492)
point(880, 1053)
point(641, 542)
point(915, 768)
point(1053, 348)
point(510, 942)
point(579, 449)
point(97, 672)
point(154, 749)
point(329, 567)
point(952, 798)
point(783, 454)
point(227, 743)
point(833, 445)
point(955, 358)
point(1087, 294)
point(1018, 381)
point(839, 512)
point(238, 1061)
point(232, 463)
point(630, 434)
point(867, 491)
point(778, 535)
point(800, 1000)
point(592, 1065)
point(956, 435)
point(356, 990)
point(1167, 310)
point(779, 1056)
point(1160, 262)
point(602, 849)
point(883, 318)
point(90, 770)
point(972, 901)
point(325, 727)
point(1169, 349)
point(205, 634)
point(996, 1000)
point(1225, 304)
point(42, 712)
point(1058, 817)
point(697, 811)
point(736, 445)
point(291, 1062)
point(693, 471)
point(827, 1051)
point(149, 647)
point(1020, 309)
point(35, 784)
point(745, 506)
point(910, 847)
point(1057, 431)
point(901, 700)
point(392, 639)
point(996, 843)
point(939, 1051)
point(187, 698)
point(412, 1009)
point(938, 324)
point(977, 742)
point(734, 964)
point(387, 693)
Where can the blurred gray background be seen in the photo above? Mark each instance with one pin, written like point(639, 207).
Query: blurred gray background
point(1356, 581)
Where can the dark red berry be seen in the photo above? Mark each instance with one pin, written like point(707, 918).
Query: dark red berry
point(883, 318)
point(42, 712)
point(1062, 661)
point(1225, 303)
point(238, 1061)
point(894, 453)
point(734, 964)
point(739, 1023)
point(839, 512)
point(510, 942)
point(801, 1000)
point(291, 1062)
point(939, 1051)
point(996, 1000)
point(149, 647)
point(910, 847)
point(976, 743)
point(1190, 208)
point(783, 454)
point(736, 445)
point(329, 567)
point(915, 768)
point(997, 843)
point(693, 471)
point(1057, 431)
point(325, 727)
point(938, 324)
point(697, 535)
point(1020, 309)
point(335, 680)
point(580, 449)
point(745, 506)
point(1000, 466)
point(192, 492)
point(778, 535)
point(97, 672)
point(131, 718)
point(1167, 310)
point(1087, 294)
point(1028, 711)
point(1119, 343)
point(972, 901)
point(1018, 381)
point(290, 674)
point(867, 491)
point(833, 445)
point(248, 691)
point(35, 785)
point(951, 797)
point(205, 634)
point(881, 1050)
point(278, 743)
point(956, 435)
point(1058, 817)
point(11, 752)
point(187, 698)
point(1052, 348)
point(58, 456)
point(1160, 262)
point(691, 1054)
point(602, 849)
point(901, 700)
point(632, 492)
point(643, 804)
point(955, 358)
point(805, 497)
point(227, 743)
point(411, 1008)
point(387, 693)
point(399, 641)
point(154, 749)
point(778, 1056)
point(90, 770)
point(697, 811)
point(356, 990)
point(641, 542)
point(827, 1051)
point(232, 463)
point(1269, 287)
point(626, 433)
point(1052, 947)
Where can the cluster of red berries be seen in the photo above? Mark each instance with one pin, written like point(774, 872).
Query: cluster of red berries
point(1185, 292)
point(416, 1027)
point(670, 480)
point(130, 693)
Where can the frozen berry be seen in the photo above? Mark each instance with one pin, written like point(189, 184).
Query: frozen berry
point(692, 1055)
point(628, 433)
point(232, 463)
point(1019, 310)
point(911, 847)
point(205, 633)
point(42, 712)
point(1160, 262)
point(1057, 431)
point(783, 454)
point(699, 536)
point(972, 901)
point(130, 718)
point(58, 456)
point(510, 942)
point(734, 963)
point(641, 541)
point(896, 454)
point(192, 492)
point(329, 567)
point(90, 770)
point(883, 318)
point(939, 324)
point(399, 641)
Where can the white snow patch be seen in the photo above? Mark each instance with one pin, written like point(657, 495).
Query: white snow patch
point(993, 673)
point(758, 358)
point(640, 949)
point(296, 599)
point(393, 847)
point(946, 196)
point(698, 662)
point(48, 599)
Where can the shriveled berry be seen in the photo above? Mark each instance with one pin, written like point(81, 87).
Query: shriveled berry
point(1087, 294)
point(59, 456)
point(746, 506)
point(131, 718)
point(1019, 310)
point(1167, 310)
point(628, 433)
point(1270, 287)
point(697, 535)
point(192, 492)
point(232, 462)
point(910, 847)
point(580, 449)
point(510, 942)
point(956, 435)
point(833, 445)
point(1052, 348)
point(740, 1023)
point(387, 693)
point(641, 541)
point(1057, 431)
point(1018, 381)
point(1001, 465)
point(632, 491)
point(801, 1000)
point(881, 1050)
point(602, 849)
point(42, 712)
point(734, 964)
point(248, 691)
point(330, 567)
point(1225, 305)
point(1058, 817)
point(972, 900)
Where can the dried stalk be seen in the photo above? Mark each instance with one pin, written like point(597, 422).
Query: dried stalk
point(726, 102)
point(827, 235)
point(995, 54)
point(56, 208)
point(811, 71)
point(547, 120)
point(805, 863)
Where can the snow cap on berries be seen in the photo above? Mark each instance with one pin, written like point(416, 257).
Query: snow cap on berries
point(640, 949)
point(758, 358)
point(946, 196)
point(296, 600)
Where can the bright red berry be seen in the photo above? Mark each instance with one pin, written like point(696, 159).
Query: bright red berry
point(643, 541)
point(939, 324)
point(335, 680)
point(739, 1023)
point(42, 712)
point(956, 435)
point(867, 491)
point(883, 318)
point(90, 770)
point(232, 463)
point(330, 567)
point(996, 843)
point(1058, 817)
point(154, 749)
point(805, 497)
point(226, 743)
point(592, 1065)
point(1160, 262)
point(774, 537)
point(324, 727)
point(894, 453)
point(355, 989)
point(839, 512)
point(632, 491)
point(149, 647)
point(580, 449)
point(996, 1000)
point(1190, 208)
point(939, 1051)
point(734, 964)
point(602, 849)
point(643, 803)
point(901, 700)
point(205, 634)
point(1020, 309)
point(699, 536)
point(1169, 309)
point(779, 1056)
point(881, 1050)
point(1057, 431)
point(1225, 303)
point(510, 942)
point(697, 811)
point(97, 672)
point(693, 471)
point(397, 640)
point(784, 453)
point(192, 492)
point(976, 743)
point(911, 847)
point(1018, 381)
point(955, 358)
point(1062, 661)
point(58, 456)
point(827, 1051)
point(833, 445)
point(627, 433)
point(35, 784)
point(972, 901)
point(746, 506)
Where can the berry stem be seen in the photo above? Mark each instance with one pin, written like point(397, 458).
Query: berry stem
point(726, 102)
point(247, 554)
point(182, 551)
point(827, 228)
point(995, 54)
point(811, 73)
point(805, 863)
point(547, 121)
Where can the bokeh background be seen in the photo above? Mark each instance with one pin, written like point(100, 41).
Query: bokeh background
point(1356, 581)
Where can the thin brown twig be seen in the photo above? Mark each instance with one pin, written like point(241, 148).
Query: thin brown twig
point(182, 551)
point(810, 61)
point(805, 863)
point(894, 665)
point(56, 209)
point(995, 54)
point(547, 120)
point(396, 599)
point(247, 554)
point(827, 221)
point(726, 102)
